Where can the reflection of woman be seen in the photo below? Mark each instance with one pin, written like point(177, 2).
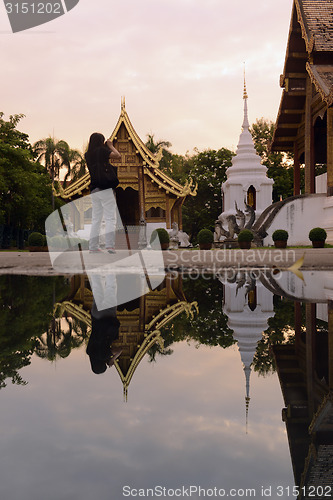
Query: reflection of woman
point(103, 200)
point(104, 331)
point(104, 323)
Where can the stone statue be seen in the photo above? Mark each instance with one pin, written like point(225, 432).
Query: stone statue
point(178, 238)
point(174, 238)
point(228, 226)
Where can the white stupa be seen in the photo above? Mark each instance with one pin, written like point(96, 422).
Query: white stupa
point(247, 177)
point(248, 314)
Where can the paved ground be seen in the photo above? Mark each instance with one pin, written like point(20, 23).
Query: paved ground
point(39, 263)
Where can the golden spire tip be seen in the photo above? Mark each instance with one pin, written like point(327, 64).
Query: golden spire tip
point(245, 96)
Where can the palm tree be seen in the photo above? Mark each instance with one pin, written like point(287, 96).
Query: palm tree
point(77, 166)
point(153, 146)
point(55, 155)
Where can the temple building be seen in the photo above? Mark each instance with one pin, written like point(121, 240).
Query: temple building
point(304, 125)
point(145, 193)
point(247, 180)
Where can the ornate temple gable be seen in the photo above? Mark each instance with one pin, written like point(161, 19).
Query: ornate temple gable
point(315, 17)
point(309, 55)
point(134, 154)
point(124, 133)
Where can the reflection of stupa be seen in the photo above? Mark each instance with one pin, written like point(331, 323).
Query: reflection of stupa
point(248, 305)
point(141, 320)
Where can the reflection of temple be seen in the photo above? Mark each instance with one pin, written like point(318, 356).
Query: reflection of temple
point(248, 305)
point(305, 371)
point(141, 320)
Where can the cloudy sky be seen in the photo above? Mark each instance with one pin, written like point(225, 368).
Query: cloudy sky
point(179, 63)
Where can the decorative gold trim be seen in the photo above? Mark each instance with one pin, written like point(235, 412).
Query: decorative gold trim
point(74, 310)
point(152, 335)
point(325, 93)
point(155, 204)
point(309, 41)
point(328, 399)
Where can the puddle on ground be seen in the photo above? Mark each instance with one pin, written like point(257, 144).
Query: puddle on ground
point(216, 387)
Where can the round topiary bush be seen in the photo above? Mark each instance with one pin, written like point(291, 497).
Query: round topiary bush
point(245, 235)
point(57, 243)
point(205, 236)
point(36, 240)
point(317, 234)
point(163, 237)
point(280, 235)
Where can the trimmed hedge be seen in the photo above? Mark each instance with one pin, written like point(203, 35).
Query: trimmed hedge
point(280, 235)
point(162, 234)
point(245, 235)
point(205, 236)
point(36, 240)
point(317, 234)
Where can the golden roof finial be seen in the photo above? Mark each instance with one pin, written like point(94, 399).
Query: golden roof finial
point(123, 103)
point(247, 404)
point(245, 96)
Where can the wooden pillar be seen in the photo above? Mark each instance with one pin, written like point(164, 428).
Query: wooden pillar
point(330, 344)
point(298, 324)
point(330, 151)
point(309, 141)
point(297, 172)
point(180, 215)
point(141, 192)
point(167, 212)
point(310, 316)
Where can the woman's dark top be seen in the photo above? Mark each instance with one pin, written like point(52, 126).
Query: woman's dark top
point(99, 155)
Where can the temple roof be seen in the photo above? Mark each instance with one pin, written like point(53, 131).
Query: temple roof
point(150, 162)
point(309, 52)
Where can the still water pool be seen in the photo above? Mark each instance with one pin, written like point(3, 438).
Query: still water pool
point(191, 407)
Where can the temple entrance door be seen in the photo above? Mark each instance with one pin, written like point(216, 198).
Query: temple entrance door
point(128, 206)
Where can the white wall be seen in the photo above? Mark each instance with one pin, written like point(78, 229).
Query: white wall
point(299, 216)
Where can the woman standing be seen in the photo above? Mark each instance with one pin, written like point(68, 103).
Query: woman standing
point(103, 197)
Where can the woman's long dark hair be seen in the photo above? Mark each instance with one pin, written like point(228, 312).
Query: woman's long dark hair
point(96, 141)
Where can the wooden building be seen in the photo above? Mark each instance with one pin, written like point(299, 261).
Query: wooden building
point(304, 125)
point(145, 191)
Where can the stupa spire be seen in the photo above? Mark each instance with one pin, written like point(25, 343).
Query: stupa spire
point(247, 371)
point(245, 97)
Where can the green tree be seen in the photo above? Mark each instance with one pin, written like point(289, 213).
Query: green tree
point(25, 188)
point(26, 311)
point(208, 169)
point(207, 327)
point(279, 165)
